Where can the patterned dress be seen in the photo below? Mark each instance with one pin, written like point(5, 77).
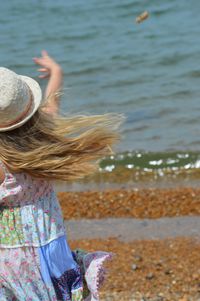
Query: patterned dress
point(36, 263)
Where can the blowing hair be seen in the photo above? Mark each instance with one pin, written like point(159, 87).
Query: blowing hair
point(58, 147)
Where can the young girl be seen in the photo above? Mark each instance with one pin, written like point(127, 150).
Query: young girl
point(37, 145)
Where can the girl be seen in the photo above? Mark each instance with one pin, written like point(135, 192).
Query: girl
point(37, 145)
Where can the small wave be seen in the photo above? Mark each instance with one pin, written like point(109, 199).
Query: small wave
point(124, 83)
point(173, 59)
point(175, 168)
point(128, 5)
point(142, 160)
point(182, 93)
point(136, 129)
point(89, 70)
point(81, 37)
point(164, 112)
point(194, 74)
point(125, 57)
point(161, 12)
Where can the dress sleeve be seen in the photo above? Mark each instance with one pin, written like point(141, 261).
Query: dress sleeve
point(9, 186)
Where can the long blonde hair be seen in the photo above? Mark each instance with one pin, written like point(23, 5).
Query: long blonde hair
point(59, 148)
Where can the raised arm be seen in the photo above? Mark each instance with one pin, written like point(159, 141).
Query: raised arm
point(51, 70)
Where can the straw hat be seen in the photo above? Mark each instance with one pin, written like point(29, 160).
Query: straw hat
point(20, 97)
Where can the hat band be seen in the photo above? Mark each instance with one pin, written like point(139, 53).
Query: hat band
point(21, 116)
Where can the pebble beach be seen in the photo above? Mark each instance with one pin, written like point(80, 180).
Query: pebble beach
point(143, 268)
point(150, 270)
point(145, 203)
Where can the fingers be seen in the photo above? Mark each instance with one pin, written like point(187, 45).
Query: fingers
point(43, 63)
point(44, 53)
point(43, 59)
point(42, 70)
point(37, 60)
point(43, 76)
point(47, 65)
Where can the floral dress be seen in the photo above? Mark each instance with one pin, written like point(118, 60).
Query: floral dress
point(36, 263)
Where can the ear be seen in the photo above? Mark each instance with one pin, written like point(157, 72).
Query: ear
point(2, 175)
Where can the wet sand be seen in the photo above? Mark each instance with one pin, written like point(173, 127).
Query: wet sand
point(129, 229)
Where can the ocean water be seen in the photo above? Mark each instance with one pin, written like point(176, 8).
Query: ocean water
point(150, 71)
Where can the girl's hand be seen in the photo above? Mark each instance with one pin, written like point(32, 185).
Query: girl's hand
point(48, 64)
point(53, 72)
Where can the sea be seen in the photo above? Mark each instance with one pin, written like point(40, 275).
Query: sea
point(150, 72)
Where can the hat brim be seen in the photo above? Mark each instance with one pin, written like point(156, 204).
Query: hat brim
point(37, 99)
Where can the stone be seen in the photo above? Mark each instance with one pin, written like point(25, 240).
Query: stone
point(134, 267)
point(168, 272)
point(150, 276)
point(137, 257)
